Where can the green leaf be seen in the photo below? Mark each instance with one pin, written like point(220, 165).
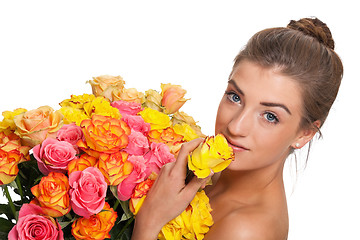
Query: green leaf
point(5, 226)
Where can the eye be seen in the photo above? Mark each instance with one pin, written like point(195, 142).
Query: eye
point(271, 117)
point(233, 97)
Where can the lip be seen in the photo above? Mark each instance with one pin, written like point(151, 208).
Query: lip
point(237, 147)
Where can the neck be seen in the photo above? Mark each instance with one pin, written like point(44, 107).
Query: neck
point(249, 186)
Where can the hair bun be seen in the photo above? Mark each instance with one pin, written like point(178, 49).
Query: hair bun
point(315, 28)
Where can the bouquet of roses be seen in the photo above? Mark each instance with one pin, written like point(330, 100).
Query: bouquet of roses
point(83, 171)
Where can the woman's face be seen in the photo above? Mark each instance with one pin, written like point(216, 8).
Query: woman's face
point(259, 115)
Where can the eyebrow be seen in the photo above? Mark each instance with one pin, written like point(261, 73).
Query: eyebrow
point(232, 82)
point(267, 104)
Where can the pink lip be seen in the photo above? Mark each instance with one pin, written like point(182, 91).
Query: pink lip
point(237, 148)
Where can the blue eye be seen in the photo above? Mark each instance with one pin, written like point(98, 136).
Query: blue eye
point(271, 118)
point(233, 97)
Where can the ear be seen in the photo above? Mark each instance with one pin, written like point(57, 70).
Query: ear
point(305, 135)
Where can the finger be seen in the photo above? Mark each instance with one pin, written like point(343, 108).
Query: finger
point(195, 184)
point(186, 148)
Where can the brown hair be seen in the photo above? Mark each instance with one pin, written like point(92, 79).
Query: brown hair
point(304, 51)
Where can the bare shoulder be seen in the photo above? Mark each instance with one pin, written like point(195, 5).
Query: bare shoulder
point(250, 224)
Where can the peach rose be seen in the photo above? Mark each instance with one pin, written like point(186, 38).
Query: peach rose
point(182, 117)
point(35, 125)
point(129, 95)
point(105, 85)
point(153, 100)
point(97, 227)
point(114, 167)
point(81, 163)
point(52, 194)
point(103, 134)
point(172, 97)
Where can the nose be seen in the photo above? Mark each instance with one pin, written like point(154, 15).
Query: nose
point(241, 123)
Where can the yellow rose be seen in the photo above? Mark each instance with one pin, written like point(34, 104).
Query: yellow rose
point(172, 97)
point(52, 194)
point(193, 223)
point(73, 115)
point(213, 153)
point(156, 119)
point(101, 106)
point(114, 167)
point(103, 135)
point(36, 125)
point(186, 131)
point(97, 227)
point(81, 107)
point(105, 85)
point(7, 125)
point(153, 100)
point(129, 95)
point(197, 217)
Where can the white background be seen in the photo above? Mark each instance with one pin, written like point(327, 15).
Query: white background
point(49, 49)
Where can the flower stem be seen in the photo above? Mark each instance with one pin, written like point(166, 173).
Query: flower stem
point(18, 183)
point(12, 207)
point(125, 227)
point(116, 205)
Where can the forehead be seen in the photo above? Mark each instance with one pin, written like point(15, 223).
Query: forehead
point(266, 84)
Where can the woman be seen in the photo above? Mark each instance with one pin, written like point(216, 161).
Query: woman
point(279, 93)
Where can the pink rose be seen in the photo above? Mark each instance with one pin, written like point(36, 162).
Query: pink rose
point(70, 133)
point(137, 123)
point(158, 156)
point(87, 191)
point(131, 108)
point(126, 187)
point(53, 155)
point(138, 144)
point(34, 224)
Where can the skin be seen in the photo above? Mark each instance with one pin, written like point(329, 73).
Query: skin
point(260, 115)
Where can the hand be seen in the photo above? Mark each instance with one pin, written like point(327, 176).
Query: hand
point(169, 196)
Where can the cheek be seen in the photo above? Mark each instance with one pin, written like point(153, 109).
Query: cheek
point(220, 118)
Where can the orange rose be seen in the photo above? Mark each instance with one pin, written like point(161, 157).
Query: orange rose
point(8, 166)
point(104, 134)
point(11, 154)
point(139, 195)
point(167, 136)
point(105, 85)
point(81, 163)
point(36, 125)
point(114, 167)
point(97, 226)
point(172, 97)
point(52, 194)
